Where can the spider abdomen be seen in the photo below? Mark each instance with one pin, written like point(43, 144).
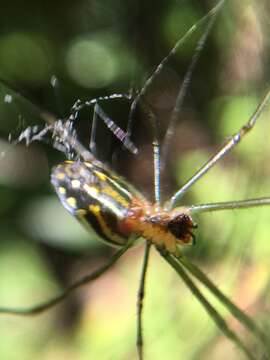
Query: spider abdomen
point(95, 197)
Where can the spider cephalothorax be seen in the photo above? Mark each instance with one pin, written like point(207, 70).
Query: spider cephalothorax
point(166, 229)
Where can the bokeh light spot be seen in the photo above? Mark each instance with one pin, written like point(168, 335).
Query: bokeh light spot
point(91, 62)
point(24, 57)
point(95, 61)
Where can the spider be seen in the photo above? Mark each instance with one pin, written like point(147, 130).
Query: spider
point(100, 198)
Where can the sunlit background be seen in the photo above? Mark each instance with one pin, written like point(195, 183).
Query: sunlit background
point(56, 52)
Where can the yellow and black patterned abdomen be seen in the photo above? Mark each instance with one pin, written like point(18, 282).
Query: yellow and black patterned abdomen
point(95, 197)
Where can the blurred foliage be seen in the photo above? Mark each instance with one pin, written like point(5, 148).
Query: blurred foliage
point(97, 48)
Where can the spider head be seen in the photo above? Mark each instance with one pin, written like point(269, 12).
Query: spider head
point(176, 225)
point(181, 225)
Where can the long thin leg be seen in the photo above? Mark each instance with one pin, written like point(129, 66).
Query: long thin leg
point(79, 104)
point(165, 60)
point(157, 195)
point(141, 291)
point(235, 139)
point(116, 130)
point(54, 125)
point(183, 89)
point(211, 310)
point(236, 312)
point(92, 143)
point(61, 128)
point(157, 166)
point(229, 205)
point(37, 309)
point(140, 298)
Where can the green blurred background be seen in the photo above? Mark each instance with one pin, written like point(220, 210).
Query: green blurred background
point(101, 47)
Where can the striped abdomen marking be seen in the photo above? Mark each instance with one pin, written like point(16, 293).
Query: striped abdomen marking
point(94, 197)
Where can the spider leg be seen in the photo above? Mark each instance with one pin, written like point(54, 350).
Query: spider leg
point(61, 128)
point(79, 105)
point(157, 168)
point(58, 128)
point(140, 299)
point(157, 196)
point(92, 143)
point(157, 156)
point(229, 205)
point(229, 145)
point(98, 111)
point(41, 307)
point(115, 129)
point(167, 58)
point(184, 86)
point(30, 134)
point(185, 269)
